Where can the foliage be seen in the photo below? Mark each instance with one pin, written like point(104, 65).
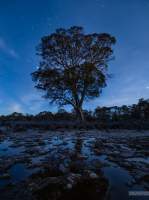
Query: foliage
point(129, 117)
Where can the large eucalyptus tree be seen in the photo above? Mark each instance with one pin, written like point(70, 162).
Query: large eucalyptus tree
point(73, 66)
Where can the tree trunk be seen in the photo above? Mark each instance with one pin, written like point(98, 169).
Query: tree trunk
point(80, 114)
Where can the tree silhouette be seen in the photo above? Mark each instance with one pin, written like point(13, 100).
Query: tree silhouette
point(73, 66)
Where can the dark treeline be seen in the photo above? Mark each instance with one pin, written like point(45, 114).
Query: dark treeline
point(135, 116)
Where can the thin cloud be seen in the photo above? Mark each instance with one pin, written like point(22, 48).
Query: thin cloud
point(33, 102)
point(15, 107)
point(6, 49)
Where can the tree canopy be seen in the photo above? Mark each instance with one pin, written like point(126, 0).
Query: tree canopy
point(73, 66)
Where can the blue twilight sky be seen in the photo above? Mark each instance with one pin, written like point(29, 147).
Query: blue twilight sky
point(23, 23)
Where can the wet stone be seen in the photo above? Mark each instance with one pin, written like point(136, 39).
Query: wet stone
point(5, 176)
point(68, 165)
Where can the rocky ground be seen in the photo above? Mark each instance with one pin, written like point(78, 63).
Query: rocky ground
point(61, 165)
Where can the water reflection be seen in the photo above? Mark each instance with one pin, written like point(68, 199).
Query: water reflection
point(64, 149)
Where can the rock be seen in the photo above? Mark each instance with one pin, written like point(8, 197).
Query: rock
point(5, 176)
point(69, 186)
point(41, 143)
point(63, 169)
point(48, 181)
point(96, 163)
point(97, 151)
point(81, 157)
point(73, 179)
point(73, 176)
point(129, 166)
point(93, 175)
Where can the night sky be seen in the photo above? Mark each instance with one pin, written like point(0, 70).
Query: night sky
point(23, 23)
